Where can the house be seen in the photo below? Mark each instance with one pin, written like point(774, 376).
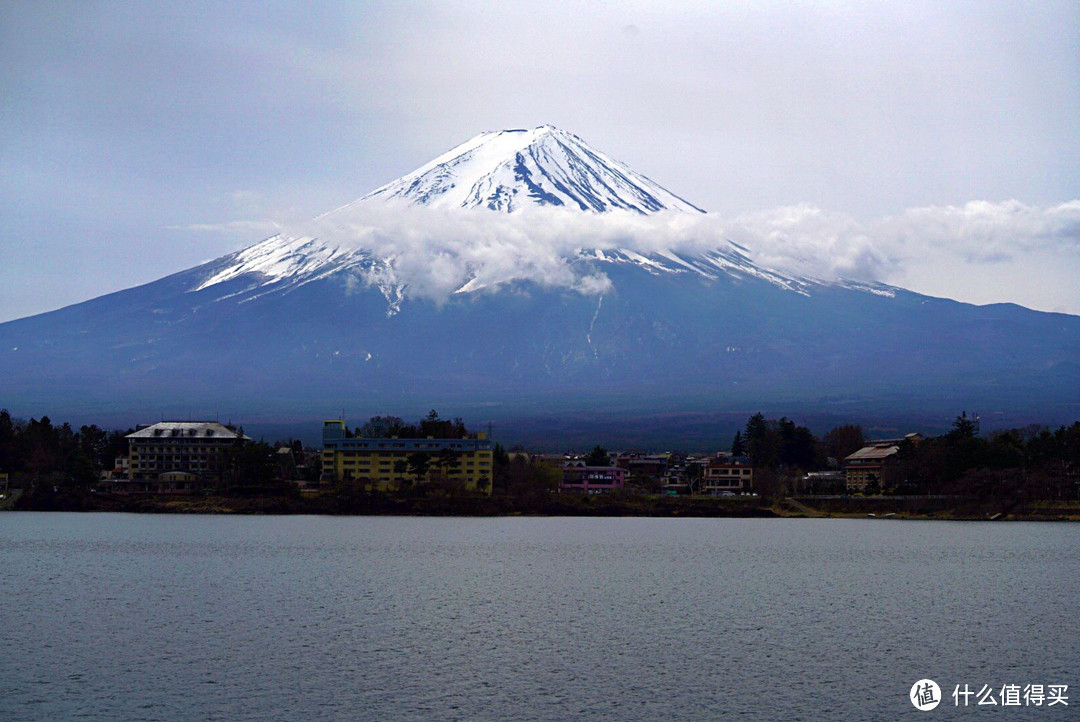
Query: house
point(592, 479)
point(121, 469)
point(728, 475)
point(176, 457)
point(285, 463)
point(383, 464)
point(644, 466)
point(685, 475)
point(875, 464)
point(824, 482)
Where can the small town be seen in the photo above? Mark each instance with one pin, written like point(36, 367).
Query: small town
point(773, 467)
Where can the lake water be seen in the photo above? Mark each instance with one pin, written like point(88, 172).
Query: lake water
point(139, 617)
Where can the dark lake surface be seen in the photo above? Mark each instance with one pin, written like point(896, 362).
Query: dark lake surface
point(141, 617)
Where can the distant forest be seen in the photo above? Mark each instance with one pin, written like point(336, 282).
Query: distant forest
point(41, 450)
point(1030, 463)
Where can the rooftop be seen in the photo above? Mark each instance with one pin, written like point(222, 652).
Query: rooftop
point(187, 429)
point(875, 452)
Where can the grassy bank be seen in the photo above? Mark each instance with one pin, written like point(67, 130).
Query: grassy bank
point(608, 505)
point(916, 507)
point(357, 504)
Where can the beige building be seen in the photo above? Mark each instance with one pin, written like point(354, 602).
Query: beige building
point(177, 457)
point(731, 475)
point(870, 464)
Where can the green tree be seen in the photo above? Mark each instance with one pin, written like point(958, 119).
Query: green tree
point(84, 472)
point(117, 446)
point(446, 459)
point(766, 485)
point(500, 479)
point(381, 427)
point(531, 483)
point(249, 465)
point(598, 457)
point(797, 445)
point(401, 467)
point(738, 446)
point(842, 441)
point(693, 477)
point(93, 454)
point(419, 462)
point(964, 427)
point(761, 442)
point(8, 439)
point(41, 449)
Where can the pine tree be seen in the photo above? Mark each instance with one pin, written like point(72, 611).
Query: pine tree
point(738, 447)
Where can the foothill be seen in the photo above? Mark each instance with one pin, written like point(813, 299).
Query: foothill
point(771, 467)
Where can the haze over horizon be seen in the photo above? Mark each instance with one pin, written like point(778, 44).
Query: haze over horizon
point(931, 146)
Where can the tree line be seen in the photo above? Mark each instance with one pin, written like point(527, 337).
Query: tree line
point(44, 452)
point(385, 427)
point(1029, 463)
point(40, 453)
point(1025, 464)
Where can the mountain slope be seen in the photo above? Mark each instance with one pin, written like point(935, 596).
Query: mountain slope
point(656, 342)
point(303, 324)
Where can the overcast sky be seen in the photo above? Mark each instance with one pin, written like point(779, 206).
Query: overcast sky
point(941, 140)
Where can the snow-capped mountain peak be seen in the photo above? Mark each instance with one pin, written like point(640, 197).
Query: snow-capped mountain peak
point(432, 297)
point(429, 234)
point(509, 170)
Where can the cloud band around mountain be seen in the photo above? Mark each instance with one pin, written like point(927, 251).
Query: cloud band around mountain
point(437, 252)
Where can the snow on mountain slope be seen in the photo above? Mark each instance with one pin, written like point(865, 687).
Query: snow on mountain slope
point(528, 270)
point(277, 259)
point(511, 169)
point(731, 262)
point(534, 205)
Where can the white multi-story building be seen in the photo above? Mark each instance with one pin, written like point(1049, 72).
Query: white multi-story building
point(178, 457)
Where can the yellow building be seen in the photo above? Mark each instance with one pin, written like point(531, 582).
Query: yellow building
point(387, 464)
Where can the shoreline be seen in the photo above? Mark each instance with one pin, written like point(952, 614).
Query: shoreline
point(623, 505)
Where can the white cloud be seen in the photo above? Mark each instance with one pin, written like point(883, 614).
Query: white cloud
point(985, 252)
point(436, 252)
point(961, 252)
point(985, 232)
point(808, 241)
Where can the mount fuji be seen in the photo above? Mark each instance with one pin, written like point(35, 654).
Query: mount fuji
point(520, 274)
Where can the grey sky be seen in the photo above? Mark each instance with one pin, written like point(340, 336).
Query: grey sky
point(138, 139)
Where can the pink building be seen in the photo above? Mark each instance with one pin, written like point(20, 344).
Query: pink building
point(592, 479)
